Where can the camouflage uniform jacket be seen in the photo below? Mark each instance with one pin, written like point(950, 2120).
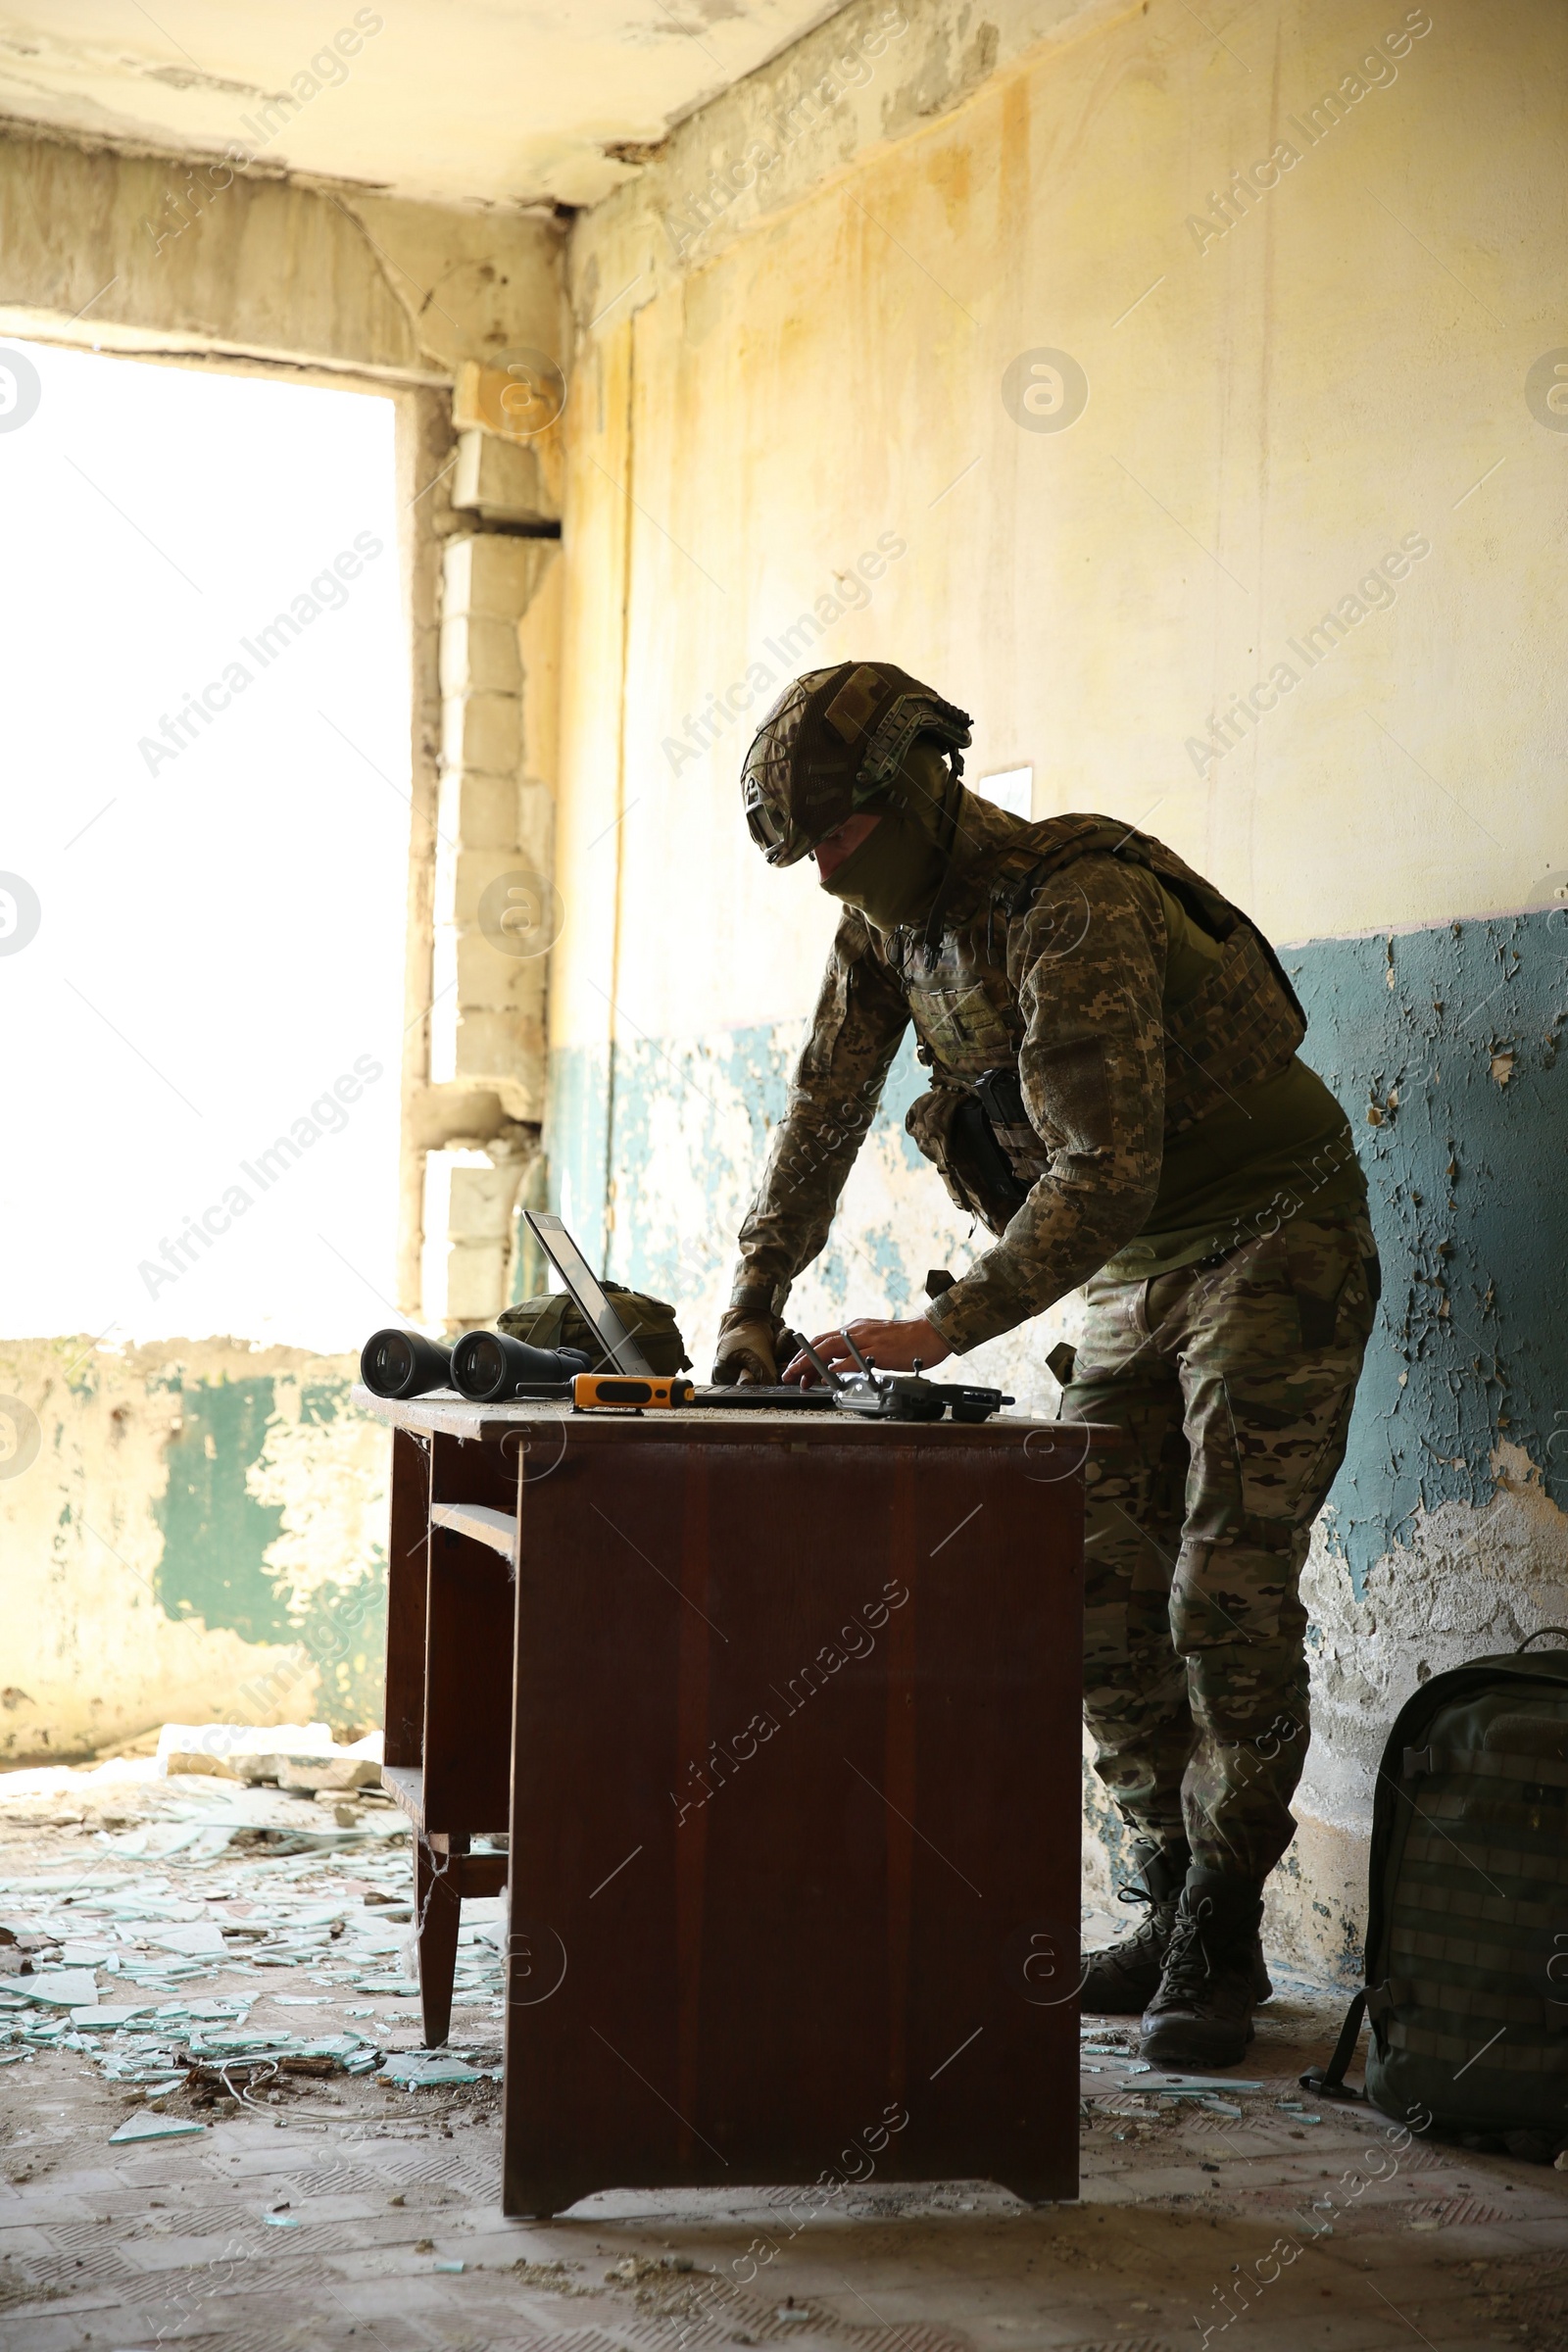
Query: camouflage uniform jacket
point(1047, 962)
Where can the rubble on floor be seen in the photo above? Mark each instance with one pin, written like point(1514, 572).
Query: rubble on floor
point(154, 1977)
point(302, 1756)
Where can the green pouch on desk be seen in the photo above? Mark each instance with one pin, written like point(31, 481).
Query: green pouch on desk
point(555, 1321)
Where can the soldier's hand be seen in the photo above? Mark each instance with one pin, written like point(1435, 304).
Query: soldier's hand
point(889, 1347)
point(747, 1353)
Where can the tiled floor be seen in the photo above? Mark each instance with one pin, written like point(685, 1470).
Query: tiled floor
point(347, 2211)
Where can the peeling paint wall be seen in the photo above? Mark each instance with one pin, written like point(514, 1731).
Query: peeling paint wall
point(1444, 1045)
point(805, 336)
point(1445, 1537)
point(199, 1536)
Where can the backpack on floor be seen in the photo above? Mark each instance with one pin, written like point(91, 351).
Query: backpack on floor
point(1467, 1927)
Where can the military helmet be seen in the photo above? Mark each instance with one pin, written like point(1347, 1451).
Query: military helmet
point(832, 742)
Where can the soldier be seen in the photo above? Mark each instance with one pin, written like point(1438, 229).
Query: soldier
point(1115, 1094)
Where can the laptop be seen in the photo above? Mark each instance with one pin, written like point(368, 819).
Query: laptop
point(620, 1346)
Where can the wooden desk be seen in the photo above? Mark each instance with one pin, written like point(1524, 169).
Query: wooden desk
point(788, 1709)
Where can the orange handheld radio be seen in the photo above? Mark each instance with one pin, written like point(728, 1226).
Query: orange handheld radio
point(593, 1390)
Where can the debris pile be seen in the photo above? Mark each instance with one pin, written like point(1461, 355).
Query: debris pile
point(230, 1883)
point(302, 1756)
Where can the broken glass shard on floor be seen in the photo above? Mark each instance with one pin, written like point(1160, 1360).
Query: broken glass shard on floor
point(154, 2127)
point(414, 2070)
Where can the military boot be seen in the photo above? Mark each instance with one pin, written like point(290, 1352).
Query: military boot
point(1121, 1978)
point(1201, 2015)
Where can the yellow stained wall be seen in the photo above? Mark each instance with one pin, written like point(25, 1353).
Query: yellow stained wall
point(1267, 417)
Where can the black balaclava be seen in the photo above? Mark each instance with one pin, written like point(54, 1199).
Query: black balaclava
point(893, 875)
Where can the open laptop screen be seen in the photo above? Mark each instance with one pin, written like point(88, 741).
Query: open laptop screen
point(583, 1289)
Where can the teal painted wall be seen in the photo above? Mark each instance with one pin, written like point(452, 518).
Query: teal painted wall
point(725, 1089)
point(1448, 1034)
point(216, 1567)
point(578, 1120)
point(216, 1534)
point(1451, 1036)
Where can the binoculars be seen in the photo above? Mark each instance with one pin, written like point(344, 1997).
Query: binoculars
point(487, 1366)
point(404, 1363)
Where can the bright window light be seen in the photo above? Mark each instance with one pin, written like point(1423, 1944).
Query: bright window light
point(203, 862)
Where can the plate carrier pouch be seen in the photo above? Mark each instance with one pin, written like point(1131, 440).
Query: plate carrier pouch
point(1467, 1921)
point(1243, 1025)
point(555, 1321)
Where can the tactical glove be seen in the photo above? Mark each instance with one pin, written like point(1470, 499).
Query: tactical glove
point(747, 1356)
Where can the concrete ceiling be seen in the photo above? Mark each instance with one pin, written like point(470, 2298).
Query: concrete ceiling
point(460, 101)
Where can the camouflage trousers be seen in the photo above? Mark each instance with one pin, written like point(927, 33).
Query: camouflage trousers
point(1234, 1383)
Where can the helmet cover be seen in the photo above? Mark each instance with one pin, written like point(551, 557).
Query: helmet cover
point(834, 741)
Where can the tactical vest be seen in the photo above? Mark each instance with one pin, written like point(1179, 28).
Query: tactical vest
point(1240, 1025)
